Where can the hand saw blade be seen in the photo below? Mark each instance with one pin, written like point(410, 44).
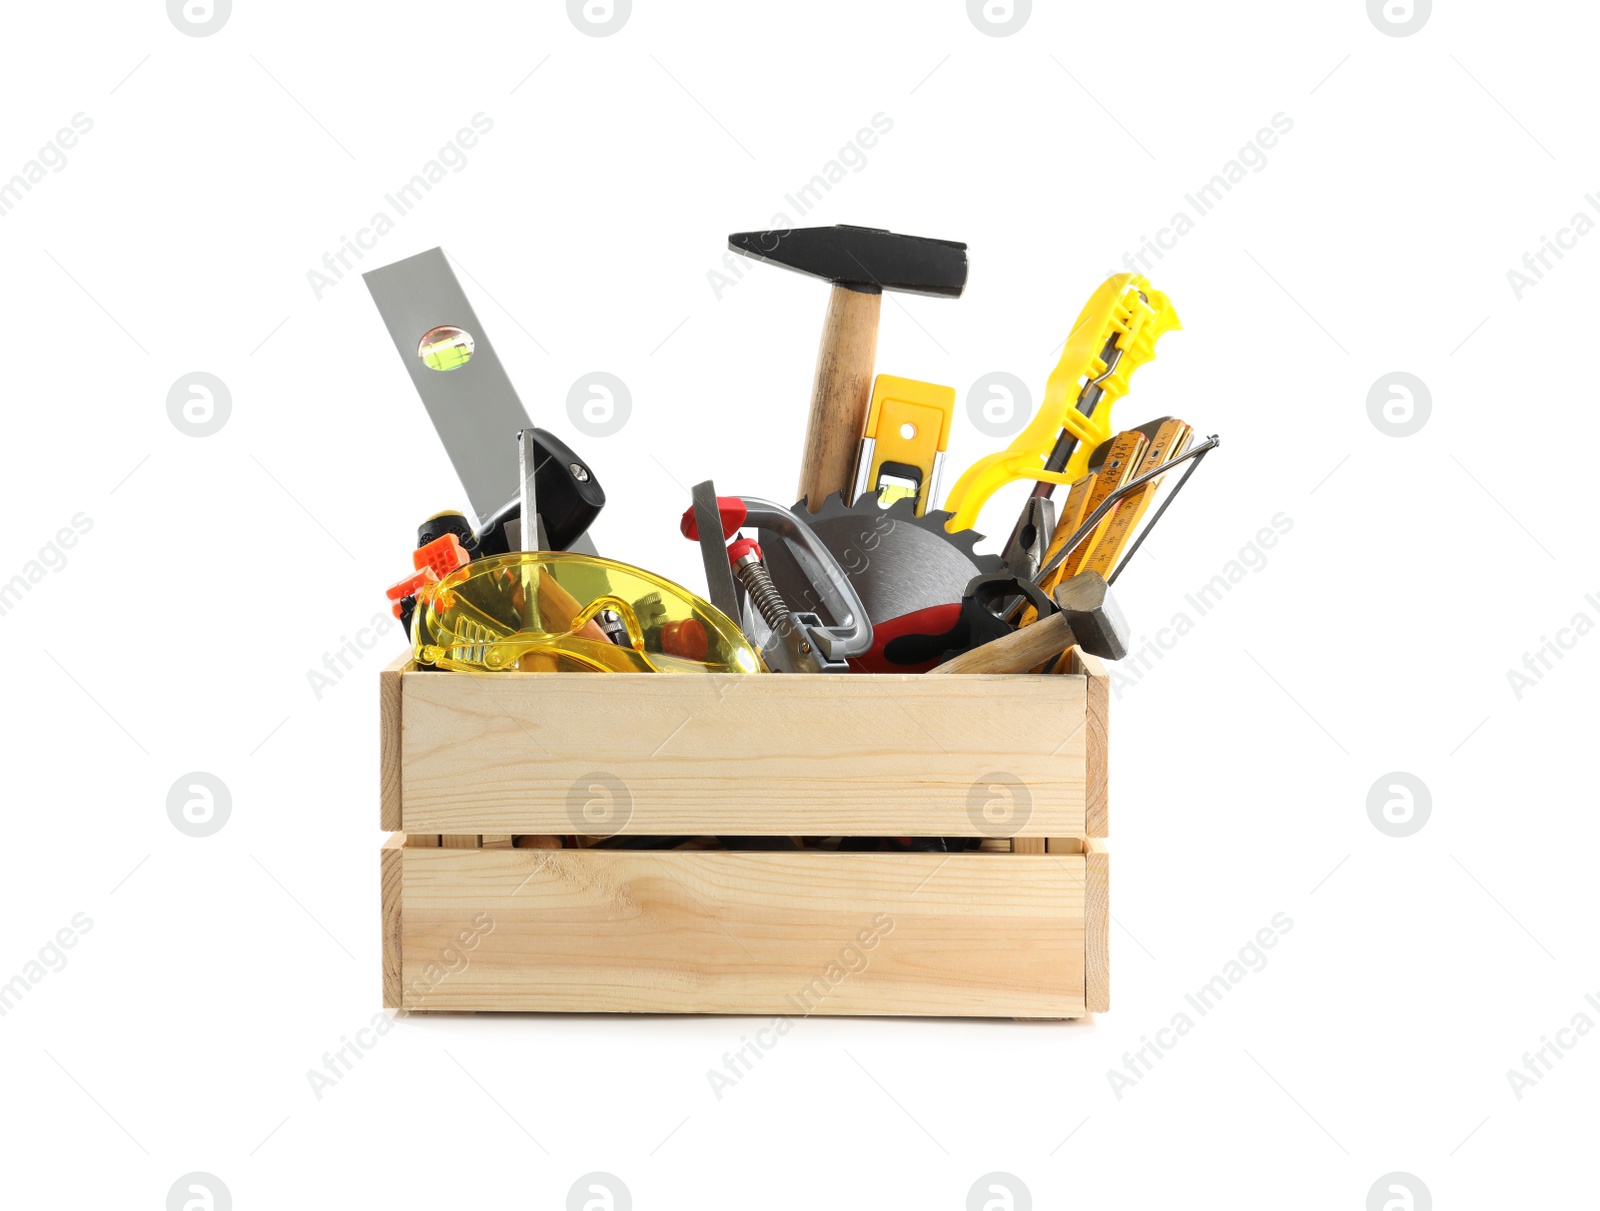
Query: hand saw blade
point(474, 408)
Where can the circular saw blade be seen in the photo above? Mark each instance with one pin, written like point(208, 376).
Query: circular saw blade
point(898, 563)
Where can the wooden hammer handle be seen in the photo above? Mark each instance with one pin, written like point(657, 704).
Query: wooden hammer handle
point(1024, 649)
point(841, 395)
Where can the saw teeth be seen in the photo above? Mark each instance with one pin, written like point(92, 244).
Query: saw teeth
point(903, 511)
point(924, 567)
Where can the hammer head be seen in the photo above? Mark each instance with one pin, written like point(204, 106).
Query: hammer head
point(1092, 613)
point(867, 259)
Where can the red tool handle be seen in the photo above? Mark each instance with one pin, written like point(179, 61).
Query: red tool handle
point(730, 508)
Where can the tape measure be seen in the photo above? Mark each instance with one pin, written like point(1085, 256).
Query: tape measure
point(907, 433)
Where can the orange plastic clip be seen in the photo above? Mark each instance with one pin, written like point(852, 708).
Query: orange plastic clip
point(409, 587)
point(444, 555)
point(433, 561)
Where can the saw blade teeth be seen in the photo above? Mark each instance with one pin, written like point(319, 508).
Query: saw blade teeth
point(967, 539)
point(832, 506)
point(899, 511)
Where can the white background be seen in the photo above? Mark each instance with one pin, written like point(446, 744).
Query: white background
point(1377, 637)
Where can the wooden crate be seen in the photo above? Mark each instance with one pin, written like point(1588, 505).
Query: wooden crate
point(471, 923)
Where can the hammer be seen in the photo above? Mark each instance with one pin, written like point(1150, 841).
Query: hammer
point(861, 262)
point(1089, 619)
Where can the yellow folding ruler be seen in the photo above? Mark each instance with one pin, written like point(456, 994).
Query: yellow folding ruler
point(1171, 439)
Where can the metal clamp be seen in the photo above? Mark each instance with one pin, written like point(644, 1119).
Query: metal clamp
point(811, 646)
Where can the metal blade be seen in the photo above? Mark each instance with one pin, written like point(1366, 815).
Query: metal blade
point(474, 407)
point(714, 550)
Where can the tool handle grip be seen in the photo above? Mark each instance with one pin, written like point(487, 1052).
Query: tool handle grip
point(1018, 652)
point(841, 395)
point(731, 513)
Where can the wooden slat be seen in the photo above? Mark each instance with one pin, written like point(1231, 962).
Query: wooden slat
point(890, 755)
point(390, 868)
point(1027, 845)
point(1097, 781)
point(616, 931)
point(1097, 927)
point(459, 841)
point(495, 840)
point(389, 695)
point(1065, 845)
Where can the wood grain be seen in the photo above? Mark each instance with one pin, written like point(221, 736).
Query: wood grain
point(389, 725)
point(889, 755)
point(1097, 772)
point(841, 395)
point(772, 933)
point(390, 868)
point(1097, 927)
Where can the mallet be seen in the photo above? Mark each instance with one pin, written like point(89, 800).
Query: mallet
point(861, 262)
point(1089, 619)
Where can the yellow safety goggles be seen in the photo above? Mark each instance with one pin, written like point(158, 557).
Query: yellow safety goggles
point(552, 611)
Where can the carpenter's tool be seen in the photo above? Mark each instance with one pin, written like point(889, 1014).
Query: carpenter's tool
point(1198, 453)
point(982, 620)
point(1067, 521)
point(1114, 335)
point(518, 537)
point(908, 432)
point(1170, 439)
point(1088, 618)
point(711, 532)
point(474, 407)
point(1078, 500)
point(861, 262)
point(798, 641)
point(793, 646)
point(1193, 456)
point(1031, 539)
point(910, 572)
point(1121, 457)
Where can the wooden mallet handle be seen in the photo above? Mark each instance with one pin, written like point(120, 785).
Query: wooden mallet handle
point(1019, 652)
point(841, 395)
point(1088, 618)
